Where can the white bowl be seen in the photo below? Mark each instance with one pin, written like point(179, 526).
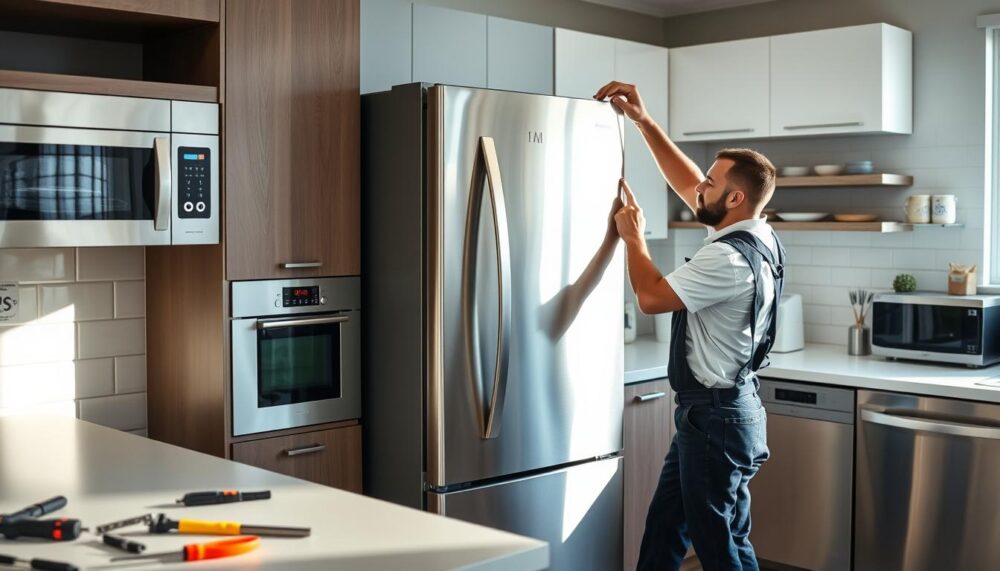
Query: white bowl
point(828, 170)
point(795, 171)
point(802, 216)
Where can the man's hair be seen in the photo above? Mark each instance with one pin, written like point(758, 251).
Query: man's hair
point(752, 172)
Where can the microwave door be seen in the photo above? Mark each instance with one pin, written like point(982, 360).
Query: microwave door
point(64, 187)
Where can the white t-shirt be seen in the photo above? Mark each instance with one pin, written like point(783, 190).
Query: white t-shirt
point(717, 288)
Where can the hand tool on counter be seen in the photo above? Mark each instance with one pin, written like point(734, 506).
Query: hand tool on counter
point(123, 543)
point(222, 497)
point(145, 519)
point(54, 529)
point(35, 510)
point(44, 564)
point(201, 551)
point(163, 524)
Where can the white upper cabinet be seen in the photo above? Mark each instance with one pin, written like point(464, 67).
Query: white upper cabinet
point(449, 46)
point(519, 56)
point(385, 44)
point(647, 67)
point(844, 80)
point(720, 91)
point(584, 63)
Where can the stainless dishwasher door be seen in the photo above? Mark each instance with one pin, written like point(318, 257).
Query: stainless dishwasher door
point(801, 498)
point(928, 484)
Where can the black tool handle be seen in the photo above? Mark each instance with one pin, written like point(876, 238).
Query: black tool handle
point(54, 529)
point(36, 510)
point(7, 560)
point(223, 497)
point(262, 495)
point(123, 543)
point(47, 565)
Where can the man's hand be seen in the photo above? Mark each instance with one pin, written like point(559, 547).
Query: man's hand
point(612, 229)
point(629, 220)
point(626, 97)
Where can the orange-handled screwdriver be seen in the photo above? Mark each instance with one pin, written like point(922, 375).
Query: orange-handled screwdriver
point(201, 551)
point(163, 524)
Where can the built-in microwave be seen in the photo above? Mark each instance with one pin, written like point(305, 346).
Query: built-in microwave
point(99, 170)
point(937, 327)
point(296, 353)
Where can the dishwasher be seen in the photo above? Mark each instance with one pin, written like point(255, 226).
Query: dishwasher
point(801, 499)
point(928, 484)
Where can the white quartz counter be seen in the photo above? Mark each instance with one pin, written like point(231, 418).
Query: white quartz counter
point(646, 359)
point(109, 475)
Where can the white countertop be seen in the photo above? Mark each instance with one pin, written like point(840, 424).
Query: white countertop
point(109, 475)
point(831, 365)
point(646, 359)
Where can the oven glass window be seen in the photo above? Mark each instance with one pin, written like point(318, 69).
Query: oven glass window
point(75, 182)
point(298, 364)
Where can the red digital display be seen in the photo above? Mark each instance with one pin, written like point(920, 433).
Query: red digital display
point(301, 292)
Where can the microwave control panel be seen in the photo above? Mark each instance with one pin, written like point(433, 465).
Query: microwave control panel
point(300, 296)
point(194, 187)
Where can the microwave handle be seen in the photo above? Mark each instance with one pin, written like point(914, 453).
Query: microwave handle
point(161, 218)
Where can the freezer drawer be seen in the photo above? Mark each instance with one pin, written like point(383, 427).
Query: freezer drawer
point(577, 510)
point(927, 484)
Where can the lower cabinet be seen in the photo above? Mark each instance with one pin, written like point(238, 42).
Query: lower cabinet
point(330, 457)
point(648, 428)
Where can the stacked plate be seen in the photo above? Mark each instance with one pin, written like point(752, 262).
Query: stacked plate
point(859, 167)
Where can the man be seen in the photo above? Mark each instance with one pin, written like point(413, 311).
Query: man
point(724, 308)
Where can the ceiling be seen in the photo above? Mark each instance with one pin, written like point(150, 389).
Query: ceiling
point(665, 8)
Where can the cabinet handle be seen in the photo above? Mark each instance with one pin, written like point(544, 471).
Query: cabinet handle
point(294, 265)
point(718, 132)
point(650, 396)
point(305, 450)
point(822, 125)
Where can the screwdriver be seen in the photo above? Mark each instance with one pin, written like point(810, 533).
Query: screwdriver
point(223, 497)
point(44, 564)
point(35, 510)
point(54, 529)
point(163, 524)
point(201, 551)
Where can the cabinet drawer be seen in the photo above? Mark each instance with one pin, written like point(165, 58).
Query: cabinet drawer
point(329, 457)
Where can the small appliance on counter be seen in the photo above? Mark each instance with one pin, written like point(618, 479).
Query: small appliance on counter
point(789, 336)
point(937, 327)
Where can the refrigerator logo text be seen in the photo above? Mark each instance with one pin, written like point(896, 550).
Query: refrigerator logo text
point(535, 137)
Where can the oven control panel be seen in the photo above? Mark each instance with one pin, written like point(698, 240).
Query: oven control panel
point(300, 296)
point(194, 186)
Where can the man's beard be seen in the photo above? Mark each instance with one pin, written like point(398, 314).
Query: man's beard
point(711, 214)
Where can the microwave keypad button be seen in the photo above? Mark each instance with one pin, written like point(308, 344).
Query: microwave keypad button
point(194, 173)
point(200, 206)
point(188, 206)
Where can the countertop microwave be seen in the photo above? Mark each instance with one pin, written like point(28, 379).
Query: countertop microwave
point(938, 327)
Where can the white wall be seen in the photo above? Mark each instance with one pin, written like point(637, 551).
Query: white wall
point(78, 344)
point(944, 154)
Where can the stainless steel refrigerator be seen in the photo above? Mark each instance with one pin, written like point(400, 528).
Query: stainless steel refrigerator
point(493, 335)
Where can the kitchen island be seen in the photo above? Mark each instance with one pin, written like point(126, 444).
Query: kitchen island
point(109, 475)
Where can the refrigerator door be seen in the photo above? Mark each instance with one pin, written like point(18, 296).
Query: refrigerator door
point(577, 510)
point(525, 322)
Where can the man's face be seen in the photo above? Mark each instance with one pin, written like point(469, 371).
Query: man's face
point(712, 194)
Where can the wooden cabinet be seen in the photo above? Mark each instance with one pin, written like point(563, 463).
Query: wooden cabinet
point(647, 67)
point(386, 44)
point(519, 56)
point(703, 81)
point(845, 80)
point(584, 62)
point(449, 46)
point(648, 428)
point(292, 138)
point(203, 10)
point(329, 457)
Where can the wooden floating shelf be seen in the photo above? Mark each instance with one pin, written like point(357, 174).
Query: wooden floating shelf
point(107, 86)
point(883, 227)
point(877, 179)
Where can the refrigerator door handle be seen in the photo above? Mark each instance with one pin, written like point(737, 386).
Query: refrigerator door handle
point(487, 170)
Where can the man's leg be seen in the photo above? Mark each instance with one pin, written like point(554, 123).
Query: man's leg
point(741, 527)
point(665, 542)
point(751, 437)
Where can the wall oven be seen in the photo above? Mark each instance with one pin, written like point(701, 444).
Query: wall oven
point(296, 350)
point(97, 170)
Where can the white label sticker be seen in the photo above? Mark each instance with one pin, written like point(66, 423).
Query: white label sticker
point(8, 301)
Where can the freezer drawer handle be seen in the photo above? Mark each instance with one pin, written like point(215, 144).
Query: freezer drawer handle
point(487, 169)
point(825, 125)
point(937, 426)
point(650, 396)
point(717, 132)
point(161, 148)
point(297, 265)
point(305, 450)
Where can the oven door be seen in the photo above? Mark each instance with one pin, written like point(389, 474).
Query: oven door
point(83, 187)
point(295, 371)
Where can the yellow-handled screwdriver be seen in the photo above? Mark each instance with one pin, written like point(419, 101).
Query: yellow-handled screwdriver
point(163, 524)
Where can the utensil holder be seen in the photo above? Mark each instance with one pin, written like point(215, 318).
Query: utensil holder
point(859, 340)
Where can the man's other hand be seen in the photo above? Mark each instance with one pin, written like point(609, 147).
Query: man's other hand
point(629, 220)
point(626, 97)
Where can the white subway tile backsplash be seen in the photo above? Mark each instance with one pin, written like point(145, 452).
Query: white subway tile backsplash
point(964, 257)
point(61, 408)
point(77, 302)
point(911, 260)
point(857, 239)
point(851, 277)
point(37, 265)
point(816, 314)
point(130, 299)
point(799, 255)
point(37, 343)
point(24, 385)
point(833, 334)
point(871, 257)
point(130, 374)
point(832, 256)
point(27, 305)
point(107, 264)
point(807, 275)
point(931, 281)
point(112, 338)
point(893, 240)
point(124, 412)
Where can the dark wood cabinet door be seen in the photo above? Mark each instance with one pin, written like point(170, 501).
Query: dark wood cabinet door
point(292, 137)
point(329, 457)
point(201, 10)
point(648, 429)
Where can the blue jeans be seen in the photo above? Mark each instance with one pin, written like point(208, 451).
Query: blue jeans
point(702, 495)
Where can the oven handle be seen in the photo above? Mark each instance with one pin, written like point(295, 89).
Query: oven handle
point(268, 324)
point(161, 218)
point(898, 419)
